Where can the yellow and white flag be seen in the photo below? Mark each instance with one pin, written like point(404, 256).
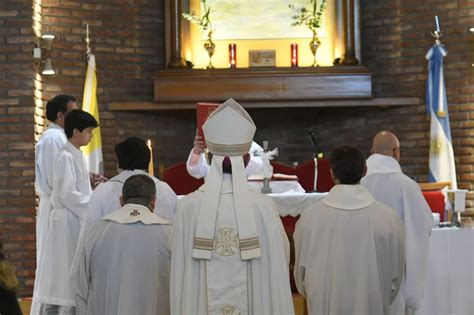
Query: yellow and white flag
point(93, 151)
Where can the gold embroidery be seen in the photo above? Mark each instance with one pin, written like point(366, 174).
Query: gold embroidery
point(226, 241)
point(249, 243)
point(203, 243)
point(228, 310)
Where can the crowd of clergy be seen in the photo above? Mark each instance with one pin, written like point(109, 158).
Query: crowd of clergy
point(129, 247)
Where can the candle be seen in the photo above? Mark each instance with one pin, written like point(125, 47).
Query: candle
point(294, 55)
point(438, 29)
point(233, 56)
point(150, 164)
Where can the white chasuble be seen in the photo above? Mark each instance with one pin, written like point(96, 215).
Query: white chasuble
point(349, 254)
point(123, 267)
point(226, 284)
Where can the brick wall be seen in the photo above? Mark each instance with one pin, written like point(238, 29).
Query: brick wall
point(17, 198)
point(127, 39)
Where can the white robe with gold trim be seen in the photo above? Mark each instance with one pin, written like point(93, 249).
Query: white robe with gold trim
point(209, 287)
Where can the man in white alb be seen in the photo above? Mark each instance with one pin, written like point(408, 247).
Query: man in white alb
point(133, 156)
point(387, 183)
point(230, 252)
point(124, 266)
point(349, 248)
point(46, 151)
point(198, 167)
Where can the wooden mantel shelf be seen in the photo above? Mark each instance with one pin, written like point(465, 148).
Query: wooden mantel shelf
point(339, 86)
point(377, 102)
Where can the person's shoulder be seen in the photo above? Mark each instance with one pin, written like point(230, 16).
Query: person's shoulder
point(191, 200)
point(385, 212)
point(162, 186)
point(52, 135)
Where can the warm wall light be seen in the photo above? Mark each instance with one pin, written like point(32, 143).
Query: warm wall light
point(232, 56)
point(41, 54)
point(294, 55)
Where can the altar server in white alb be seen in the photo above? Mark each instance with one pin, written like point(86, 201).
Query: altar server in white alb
point(198, 167)
point(133, 157)
point(69, 198)
point(47, 149)
point(386, 182)
point(124, 266)
point(230, 253)
point(350, 248)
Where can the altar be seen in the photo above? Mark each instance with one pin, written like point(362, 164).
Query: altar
point(449, 285)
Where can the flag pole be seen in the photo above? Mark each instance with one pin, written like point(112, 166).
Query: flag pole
point(88, 41)
point(437, 34)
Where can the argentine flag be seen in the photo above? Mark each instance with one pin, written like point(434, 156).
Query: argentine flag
point(93, 151)
point(441, 165)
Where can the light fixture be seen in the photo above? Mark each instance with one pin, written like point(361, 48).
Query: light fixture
point(41, 54)
point(48, 68)
point(471, 29)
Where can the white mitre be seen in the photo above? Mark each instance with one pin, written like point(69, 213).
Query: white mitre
point(228, 131)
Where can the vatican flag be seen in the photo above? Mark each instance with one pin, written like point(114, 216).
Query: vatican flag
point(93, 151)
point(441, 162)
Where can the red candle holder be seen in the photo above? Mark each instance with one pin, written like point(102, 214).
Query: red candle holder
point(233, 56)
point(294, 55)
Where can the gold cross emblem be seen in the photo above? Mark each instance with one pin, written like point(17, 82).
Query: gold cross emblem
point(226, 241)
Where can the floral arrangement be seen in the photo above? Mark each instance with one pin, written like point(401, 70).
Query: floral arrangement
point(311, 18)
point(204, 20)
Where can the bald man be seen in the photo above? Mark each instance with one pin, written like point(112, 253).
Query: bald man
point(387, 184)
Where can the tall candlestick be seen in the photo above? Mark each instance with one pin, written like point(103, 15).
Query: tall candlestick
point(438, 28)
point(294, 55)
point(151, 168)
point(232, 56)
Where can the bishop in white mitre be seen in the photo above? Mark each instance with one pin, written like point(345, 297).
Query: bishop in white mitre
point(197, 165)
point(349, 248)
point(123, 267)
point(230, 253)
point(387, 183)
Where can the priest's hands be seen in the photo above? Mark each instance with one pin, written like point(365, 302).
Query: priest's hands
point(96, 179)
point(198, 144)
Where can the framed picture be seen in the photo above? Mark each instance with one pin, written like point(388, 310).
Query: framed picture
point(262, 58)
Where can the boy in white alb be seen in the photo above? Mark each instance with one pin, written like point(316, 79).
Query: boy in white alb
point(69, 198)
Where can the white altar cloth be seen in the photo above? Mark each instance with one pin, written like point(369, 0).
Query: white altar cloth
point(279, 186)
point(449, 285)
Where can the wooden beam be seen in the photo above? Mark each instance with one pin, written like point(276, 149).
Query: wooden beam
point(371, 102)
point(271, 84)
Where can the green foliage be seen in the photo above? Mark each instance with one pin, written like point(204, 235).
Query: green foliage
point(311, 18)
point(204, 20)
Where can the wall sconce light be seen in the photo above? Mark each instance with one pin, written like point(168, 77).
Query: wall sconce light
point(41, 54)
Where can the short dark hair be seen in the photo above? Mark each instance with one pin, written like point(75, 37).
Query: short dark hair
point(139, 189)
point(58, 105)
point(80, 120)
point(347, 164)
point(133, 154)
